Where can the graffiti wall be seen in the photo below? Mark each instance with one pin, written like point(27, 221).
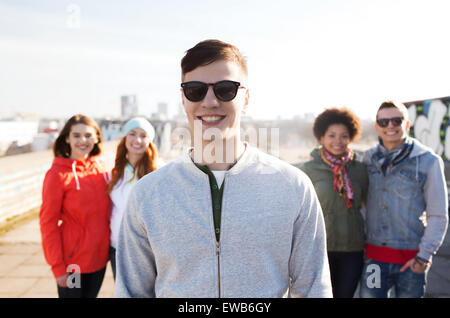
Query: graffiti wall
point(430, 123)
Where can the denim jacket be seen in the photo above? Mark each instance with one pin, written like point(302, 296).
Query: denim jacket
point(407, 207)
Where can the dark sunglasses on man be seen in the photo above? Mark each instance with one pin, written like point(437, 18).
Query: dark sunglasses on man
point(225, 90)
point(384, 122)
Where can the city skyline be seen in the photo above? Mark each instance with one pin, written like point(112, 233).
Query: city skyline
point(64, 57)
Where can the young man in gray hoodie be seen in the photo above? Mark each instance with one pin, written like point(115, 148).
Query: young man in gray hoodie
point(407, 208)
point(225, 219)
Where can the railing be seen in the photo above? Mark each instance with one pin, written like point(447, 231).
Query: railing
point(21, 178)
point(21, 192)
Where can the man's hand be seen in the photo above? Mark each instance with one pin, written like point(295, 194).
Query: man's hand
point(415, 266)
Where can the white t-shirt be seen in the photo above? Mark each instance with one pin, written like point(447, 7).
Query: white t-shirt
point(220, 175)
point(119, 196)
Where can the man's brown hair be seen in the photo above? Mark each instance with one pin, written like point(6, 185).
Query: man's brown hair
point(393, 104)
point(210, 51)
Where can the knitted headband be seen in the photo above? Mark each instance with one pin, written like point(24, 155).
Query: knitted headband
point(139, 122)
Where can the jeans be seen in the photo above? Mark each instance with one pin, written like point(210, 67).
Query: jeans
point(378, 278)
point(90, 285)
point(345, 271)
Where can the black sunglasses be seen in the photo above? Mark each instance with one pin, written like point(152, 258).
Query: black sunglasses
point(384, 122)
point(224, 90)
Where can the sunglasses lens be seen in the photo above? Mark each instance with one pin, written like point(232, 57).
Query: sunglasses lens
point(383, 122)
point(226, 90)
point(195, 91)
point(396, 121)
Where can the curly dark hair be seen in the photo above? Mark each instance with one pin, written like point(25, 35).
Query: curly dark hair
point(336, 115)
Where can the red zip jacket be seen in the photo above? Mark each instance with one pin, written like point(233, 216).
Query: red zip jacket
point(75, 216)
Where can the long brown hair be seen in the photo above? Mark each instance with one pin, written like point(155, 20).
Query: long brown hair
point(62, 149)
point(144, 166)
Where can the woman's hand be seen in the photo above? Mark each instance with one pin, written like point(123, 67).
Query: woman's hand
point(62, 280)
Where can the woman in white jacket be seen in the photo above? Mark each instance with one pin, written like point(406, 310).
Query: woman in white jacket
point(136, 156)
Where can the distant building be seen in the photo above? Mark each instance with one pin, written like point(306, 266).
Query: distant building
point(163, 110)
point(180, 115)
point(129, 106)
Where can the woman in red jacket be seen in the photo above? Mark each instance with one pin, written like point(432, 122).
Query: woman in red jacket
point(75, 211)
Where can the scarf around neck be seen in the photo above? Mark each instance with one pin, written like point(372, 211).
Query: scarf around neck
point(392, 158)
point(341, 180)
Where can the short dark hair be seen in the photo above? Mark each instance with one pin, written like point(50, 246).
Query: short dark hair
point(337, 116)
point(210, 51)
point(393, 104)
point(62, 149)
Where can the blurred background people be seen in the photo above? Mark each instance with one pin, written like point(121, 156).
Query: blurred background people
point(340, 181)
point(75, 211)
point(136, 155)
point(407, 208)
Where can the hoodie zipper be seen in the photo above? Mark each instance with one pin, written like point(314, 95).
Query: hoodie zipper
point(216, 208)
point(218, 265)
point(218, 240)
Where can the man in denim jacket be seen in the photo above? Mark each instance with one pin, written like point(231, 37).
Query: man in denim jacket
point(407, 208)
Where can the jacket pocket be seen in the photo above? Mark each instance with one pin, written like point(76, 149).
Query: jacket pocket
point(408, 175)
point(74, 250)
point(408, 183)
point(71, 239)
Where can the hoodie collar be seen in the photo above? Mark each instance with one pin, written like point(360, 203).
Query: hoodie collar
point(77, 165)
point(80, 164)
point(246, 159)
point(418, 148)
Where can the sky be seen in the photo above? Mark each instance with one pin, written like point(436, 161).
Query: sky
point(58, 58)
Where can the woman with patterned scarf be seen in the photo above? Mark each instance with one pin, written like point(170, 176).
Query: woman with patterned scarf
point(340, 181)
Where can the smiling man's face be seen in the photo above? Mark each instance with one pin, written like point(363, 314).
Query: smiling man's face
point(392, 136)
point(212, 112)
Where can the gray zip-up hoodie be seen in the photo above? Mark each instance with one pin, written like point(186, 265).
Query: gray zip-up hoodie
point(272, 242)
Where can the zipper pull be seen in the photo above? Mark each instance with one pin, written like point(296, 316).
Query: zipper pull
point(217, 248)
